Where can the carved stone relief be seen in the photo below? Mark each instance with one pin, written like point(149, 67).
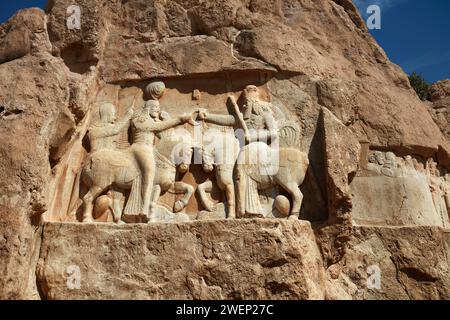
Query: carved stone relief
point(401, 191)
point(236, 159)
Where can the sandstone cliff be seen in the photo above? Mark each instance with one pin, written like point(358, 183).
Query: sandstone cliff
point(313, 57)
point(440, 104)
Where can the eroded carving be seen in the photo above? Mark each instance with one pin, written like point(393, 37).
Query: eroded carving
point(414, 190)
point(220, 152)
point(251, 154)
point(268, 157)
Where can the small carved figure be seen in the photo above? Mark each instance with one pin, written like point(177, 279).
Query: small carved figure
point(437, 189)
point(419, 166)
point(446, 189)
point(376, 162)
point(390, 165)
point(409, 163)
point(172, 153)
point(104, 134)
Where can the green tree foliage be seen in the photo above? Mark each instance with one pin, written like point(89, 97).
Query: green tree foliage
point(420, 85)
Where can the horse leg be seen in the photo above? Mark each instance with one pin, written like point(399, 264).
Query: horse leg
point(117, 206)
point(241, 186)
point(225, 181)
point(203, 190)
point(147, 186)
point(229, 190)
point(88, 201)
point(297, 197)
point(155, 196)
point(187, 190)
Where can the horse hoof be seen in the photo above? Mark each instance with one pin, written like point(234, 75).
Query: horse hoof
point(231, 215)
point(88, 220)
point(143, 217)
point(293, 217)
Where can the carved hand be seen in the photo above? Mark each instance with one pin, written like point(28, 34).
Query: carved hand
point(185, 117)
point(202, 114)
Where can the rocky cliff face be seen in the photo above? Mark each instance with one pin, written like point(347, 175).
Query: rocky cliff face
point(440, 104)
point(376, 194)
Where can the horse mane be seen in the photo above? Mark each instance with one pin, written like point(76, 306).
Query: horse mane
point(289, 134)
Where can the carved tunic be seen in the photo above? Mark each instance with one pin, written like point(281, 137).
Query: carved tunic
point(261, 117)
point(104, 136)
point(143, 133)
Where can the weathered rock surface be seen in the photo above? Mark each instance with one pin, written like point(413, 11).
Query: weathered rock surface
point(250, 259)
point(342, 157)
point(440, 105)
point(394, 201)
point(412, 263)
point(240, 259)
point(354, 78)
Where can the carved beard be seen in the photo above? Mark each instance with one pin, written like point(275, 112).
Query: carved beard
point(250, 107)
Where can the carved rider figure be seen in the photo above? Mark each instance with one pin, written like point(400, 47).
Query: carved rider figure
point(256, 120)
point(261, 162)
point(104, 134)
point(258, 117)
point(103, 138)
point(145, 126)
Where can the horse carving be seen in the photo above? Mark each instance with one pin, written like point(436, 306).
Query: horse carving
point(117, 171)
point(260, 166)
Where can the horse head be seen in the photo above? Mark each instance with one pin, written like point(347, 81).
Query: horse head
point(219, 148)
point(178, 149)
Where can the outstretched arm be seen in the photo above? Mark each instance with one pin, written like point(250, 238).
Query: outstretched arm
point(219, 119)
point(165, 125)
